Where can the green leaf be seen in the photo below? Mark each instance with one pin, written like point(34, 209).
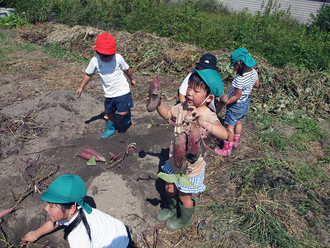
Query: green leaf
point(91, 162)
point(185, 181)
point(170, 178)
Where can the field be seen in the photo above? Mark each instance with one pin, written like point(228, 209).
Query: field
point(272, 192)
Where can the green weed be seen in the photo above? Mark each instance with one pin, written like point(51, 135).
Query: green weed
point(271, 33)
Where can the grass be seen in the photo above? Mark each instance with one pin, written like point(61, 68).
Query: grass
point(271, 33)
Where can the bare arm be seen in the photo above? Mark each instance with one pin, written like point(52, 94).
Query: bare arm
point(256, 84)
point(164, 112)
point(130, 75)
point(182, 98)
point(83, 83)
point(215, 128)
point(47, 227)
point(235, 97)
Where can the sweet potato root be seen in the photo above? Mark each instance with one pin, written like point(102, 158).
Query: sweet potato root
point(98, 156)
point(5, 212)
point(180, 149)
point(113, 156)
point(194, 146)
point(84, 155)
point(155, 92)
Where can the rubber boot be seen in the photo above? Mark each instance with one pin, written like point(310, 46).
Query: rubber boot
point(226, 151)
point(184, 220)
point(171, 211)
point(127, 118)
point(235, 141)
point(110, 130)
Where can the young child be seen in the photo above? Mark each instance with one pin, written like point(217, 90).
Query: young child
point(110, 66)
point(84, 226)
point(238, 103)
point(207, 61)
point(203, 86)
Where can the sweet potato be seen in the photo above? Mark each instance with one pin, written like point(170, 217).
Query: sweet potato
point(113, 156)
point(155, 93)
point(180, 149)
point(85, 155)
point(5, 212)
point(98, 156)
point(194, 146)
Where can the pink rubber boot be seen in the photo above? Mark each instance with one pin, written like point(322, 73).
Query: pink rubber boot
point(235, 141)
point(226, 151)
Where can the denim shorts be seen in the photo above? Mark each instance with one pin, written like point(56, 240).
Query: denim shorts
point(236, 111)
point(120, 103)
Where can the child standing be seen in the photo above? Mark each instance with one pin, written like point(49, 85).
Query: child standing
point(84, 226)
point(110, 66)
point(238, 103)
point(203, 86)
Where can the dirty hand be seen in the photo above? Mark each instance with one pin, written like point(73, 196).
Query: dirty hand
point(78, 91)
point(224, 98)
point(133, 82)
point(29, 237)
point(195, 115)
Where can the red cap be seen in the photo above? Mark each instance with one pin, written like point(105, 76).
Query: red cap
point(105, 44)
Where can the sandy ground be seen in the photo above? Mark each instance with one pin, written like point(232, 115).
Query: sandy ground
point(68, 124)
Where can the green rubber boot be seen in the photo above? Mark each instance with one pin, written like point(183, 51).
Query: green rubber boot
point(184, 220)
point(171, 211)
point(110, 130)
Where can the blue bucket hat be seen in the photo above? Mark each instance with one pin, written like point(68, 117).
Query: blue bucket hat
point(213, 80)
point(66, 189)
point(242, 54)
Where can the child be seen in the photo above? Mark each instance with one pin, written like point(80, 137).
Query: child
point(110, 66)
point(84, 226)
point(207, 61)
point(202, 88)
point(238, 103)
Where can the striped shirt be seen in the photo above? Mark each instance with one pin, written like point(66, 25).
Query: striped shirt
point(245, 83)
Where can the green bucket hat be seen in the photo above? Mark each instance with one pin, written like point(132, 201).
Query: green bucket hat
point(66, 189)
point(242, 54)
point(212, 79)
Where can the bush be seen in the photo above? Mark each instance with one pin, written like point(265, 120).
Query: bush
point(13, 21)
point(271, 33)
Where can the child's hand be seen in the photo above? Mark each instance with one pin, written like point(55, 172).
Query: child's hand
point(133, 82)
point(224, 98)
point(195, 115)
point(78, 91)
point(29, 237)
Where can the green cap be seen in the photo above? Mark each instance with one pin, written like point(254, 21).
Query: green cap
point(212, 79)
point(242, 54)
point(66, 189)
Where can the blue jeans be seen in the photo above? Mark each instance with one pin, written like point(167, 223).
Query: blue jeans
point(236, 111)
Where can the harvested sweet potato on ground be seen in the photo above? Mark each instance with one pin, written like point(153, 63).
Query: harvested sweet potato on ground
point(155, 93)
point(180, 149)
point(98, 156)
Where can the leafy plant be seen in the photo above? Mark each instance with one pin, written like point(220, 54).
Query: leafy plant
point(13, 21)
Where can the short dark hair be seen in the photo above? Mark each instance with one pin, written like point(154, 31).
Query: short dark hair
point(195, 80)
point(106, 56)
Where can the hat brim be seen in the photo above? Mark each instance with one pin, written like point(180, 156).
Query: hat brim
point(208, 66)
point(106, 51)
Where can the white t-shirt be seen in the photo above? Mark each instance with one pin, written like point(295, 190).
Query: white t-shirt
point(106, 232)
point(113, 79)
point(245, 83)
point(183, 90)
